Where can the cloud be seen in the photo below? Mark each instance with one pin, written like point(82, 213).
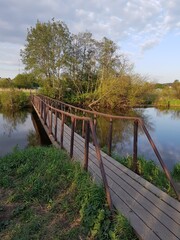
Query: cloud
point(114, 19)
point(149, 44)
point(141, 22)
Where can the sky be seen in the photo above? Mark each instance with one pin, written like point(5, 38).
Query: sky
point(147, 31)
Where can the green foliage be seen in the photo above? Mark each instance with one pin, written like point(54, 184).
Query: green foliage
point(126, 90)
point(13, 100)
point(169, 95)
point(78, 68)
point(5, 83)
point(122, 229)
point(46, 51)
point(176, 172)
point(25, 80)
point(54, 198)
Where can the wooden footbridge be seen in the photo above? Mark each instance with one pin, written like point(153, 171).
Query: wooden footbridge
point(152, 213)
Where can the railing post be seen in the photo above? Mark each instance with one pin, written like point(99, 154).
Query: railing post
point(163, 165)
point(101, 166)
point(45, 115)
point(41, 108)
point(135, 147)
point(95, 124)
point(83, 125)
point(95, 121)
point(86, 147)
point(110, 137)
point(55, 126)
point(48, 115)
point(62, 130)
point(50, 121)
point(72, 136)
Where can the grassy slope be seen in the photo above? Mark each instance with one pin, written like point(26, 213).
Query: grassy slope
point(45, 196)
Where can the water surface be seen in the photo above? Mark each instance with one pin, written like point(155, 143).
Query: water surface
point(21, 129)
point(163, 126)
point(17, 130)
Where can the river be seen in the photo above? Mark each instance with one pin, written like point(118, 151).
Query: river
point(22, 130)
point(163, 126)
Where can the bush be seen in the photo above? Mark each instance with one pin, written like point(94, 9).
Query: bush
point(13, 100)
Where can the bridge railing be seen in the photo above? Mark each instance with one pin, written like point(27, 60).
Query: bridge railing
point(137, 122)
point(46, 113)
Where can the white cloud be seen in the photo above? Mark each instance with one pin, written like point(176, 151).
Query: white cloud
point(141, 22)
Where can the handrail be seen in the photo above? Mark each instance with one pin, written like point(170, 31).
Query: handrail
point(137, 122)
point(46, 111)
point(90, 111)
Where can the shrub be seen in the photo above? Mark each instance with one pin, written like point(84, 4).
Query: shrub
point(13, 100)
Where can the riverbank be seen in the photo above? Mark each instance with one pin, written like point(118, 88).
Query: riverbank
point(46, 196)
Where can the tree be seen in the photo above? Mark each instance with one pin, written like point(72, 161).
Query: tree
point(5, 83)
point(25, 80)
point(83, 63)
point(45, 53)
point(176, 89)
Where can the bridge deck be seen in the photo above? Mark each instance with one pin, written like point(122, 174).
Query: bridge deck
point(152, 213)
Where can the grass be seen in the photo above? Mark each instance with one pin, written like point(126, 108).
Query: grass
point(44, 195)
point(168, 102)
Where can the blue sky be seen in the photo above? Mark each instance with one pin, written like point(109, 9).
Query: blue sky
point(148, 32)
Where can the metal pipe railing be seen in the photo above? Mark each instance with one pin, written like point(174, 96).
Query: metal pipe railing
point(48, 110)
point(137, 122)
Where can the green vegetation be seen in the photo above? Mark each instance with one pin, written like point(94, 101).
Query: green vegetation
point(5, 82)
point(169, 95)
point(80, 69)
point(176, 172)
point(46, 196)
point(25, 80)
point(13, 100)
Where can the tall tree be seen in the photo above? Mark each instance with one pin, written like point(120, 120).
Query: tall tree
point(176, 89)
point(83, 67)
point(46, 49)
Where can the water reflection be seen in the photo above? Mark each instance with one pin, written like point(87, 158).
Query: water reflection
point(33, 139)
point(163, 126)
point(18, 130)
point(11, 120)
point(173, 112)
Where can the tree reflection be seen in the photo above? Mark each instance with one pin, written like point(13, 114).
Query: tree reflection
point(33, 139)
point(123, 130)
point(12, 120)
point(173, 112)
